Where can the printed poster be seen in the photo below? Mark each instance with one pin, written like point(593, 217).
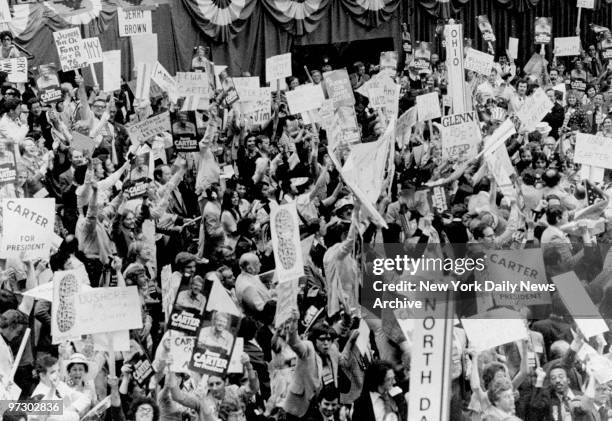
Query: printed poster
point(214, 344)
point(184, 131)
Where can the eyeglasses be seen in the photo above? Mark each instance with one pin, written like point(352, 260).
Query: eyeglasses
point(7, 39)
point(324, 339)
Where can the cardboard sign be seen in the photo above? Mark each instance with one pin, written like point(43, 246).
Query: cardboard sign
point(214, 344)
point(523, 268)
point(543, 30)
point(585, 4)
point(496, 327)
point(112, 70)
point(479, 62)
point(461, 136)
point(184, 131)
point(120, 306)
point(593, 150)
point(17, 69)
point(69, 48)
point(189, 304)
point(143, 81)
point(428, 106)
point(430, 378)
point(304, 99)
point(48, 84)
point(235, 366)
point(339, 88)
point(230, 95)
point(513, 47)
point(142, 131)
point(163, 79)
point(284, 226)
point(403, 127)
point(388, 62)
point(259, 110)
point(144, 48)
point(192, 83)
point(567, 46)
point(92, 49)
point(579, 304)
point(181, 348)
point(286, 296)
point(142, 370)
point(534, 109)
point(5, 12)
point(134, 22)
point(484, 25)
point(83, 143)
point(27, 225)
point(278, 67)
point(8, 171)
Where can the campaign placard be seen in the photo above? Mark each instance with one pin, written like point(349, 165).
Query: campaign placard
point(27, 225)
point(69, 48)
point(48, 84)
point(134, 21)
point(184, 131)
point(214, 344)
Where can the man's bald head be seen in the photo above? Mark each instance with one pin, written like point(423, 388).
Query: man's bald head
point(249, 262)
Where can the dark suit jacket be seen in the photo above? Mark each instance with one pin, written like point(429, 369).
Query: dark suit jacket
point(555, 118)
point(544, 402)
point(553, 330)
point(363, 409)
point(591, 116)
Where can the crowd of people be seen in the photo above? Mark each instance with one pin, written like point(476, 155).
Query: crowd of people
point(205, 217)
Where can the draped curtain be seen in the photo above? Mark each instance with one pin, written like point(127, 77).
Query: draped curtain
point(509, 18)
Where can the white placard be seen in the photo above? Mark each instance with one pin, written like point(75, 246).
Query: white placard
point(163, 79)
point(494, 330)
point(585, 4)
point(134, 22)
point(593, 150)
point(579, 304)
point(284, 226)
point(513, 44)
point(181, 348)
point(461, 136)
point(143, 80)
point(17, 69)
point(479, 62)
point(111, 70)
point(144, 48)
point(192, 83)
point(142, 131)
point(567, 46)
point(235, 366)
point(92, 50)
point(428, 106)
point(534, 109)
point(76, 313)
point(306, 98)
point(27, 227)
point(278, 67)
point(259, 110)
point(68, 43)
point(5, 12)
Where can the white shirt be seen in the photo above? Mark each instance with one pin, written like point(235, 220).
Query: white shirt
point(378, 405)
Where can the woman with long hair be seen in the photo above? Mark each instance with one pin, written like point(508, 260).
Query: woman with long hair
point(230, 214)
